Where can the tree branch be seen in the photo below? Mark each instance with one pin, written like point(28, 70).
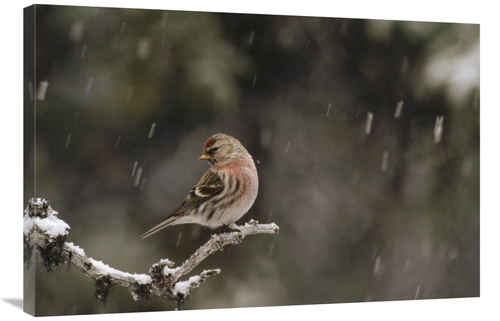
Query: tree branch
point(45, 233)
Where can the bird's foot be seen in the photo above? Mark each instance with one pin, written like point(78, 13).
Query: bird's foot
point(227, 229)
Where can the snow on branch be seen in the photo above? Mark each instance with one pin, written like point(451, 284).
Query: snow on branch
point(46, 233)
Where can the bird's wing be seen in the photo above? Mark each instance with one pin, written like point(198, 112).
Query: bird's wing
point(209, 186)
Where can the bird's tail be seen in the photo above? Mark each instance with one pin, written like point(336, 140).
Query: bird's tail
point(167, 222)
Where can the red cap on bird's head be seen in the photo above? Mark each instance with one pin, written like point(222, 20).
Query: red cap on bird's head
point(209, 143)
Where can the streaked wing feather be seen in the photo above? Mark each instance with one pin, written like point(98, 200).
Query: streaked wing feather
point(209, 186)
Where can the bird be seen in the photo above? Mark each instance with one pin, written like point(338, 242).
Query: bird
point(224, 193)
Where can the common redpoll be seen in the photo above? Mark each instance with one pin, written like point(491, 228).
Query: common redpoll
point(226, 191)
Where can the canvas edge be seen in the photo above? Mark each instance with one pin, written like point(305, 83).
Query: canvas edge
point(29, 105)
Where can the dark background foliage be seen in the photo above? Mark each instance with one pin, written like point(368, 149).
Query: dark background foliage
point(133, 94)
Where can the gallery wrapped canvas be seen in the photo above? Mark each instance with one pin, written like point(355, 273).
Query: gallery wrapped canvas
point(348, 172)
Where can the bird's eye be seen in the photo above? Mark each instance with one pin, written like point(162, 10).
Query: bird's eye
point(215, 149)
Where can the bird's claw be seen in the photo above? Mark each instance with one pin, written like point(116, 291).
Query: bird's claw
point(227, 229)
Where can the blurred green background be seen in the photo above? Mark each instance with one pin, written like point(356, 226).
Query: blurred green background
point(387, 215)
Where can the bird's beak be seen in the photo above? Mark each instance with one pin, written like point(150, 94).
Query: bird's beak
point(204, 156)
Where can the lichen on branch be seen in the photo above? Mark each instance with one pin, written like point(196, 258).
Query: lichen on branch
point(45, 233)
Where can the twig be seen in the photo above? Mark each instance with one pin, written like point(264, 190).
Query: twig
point(47, 233)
